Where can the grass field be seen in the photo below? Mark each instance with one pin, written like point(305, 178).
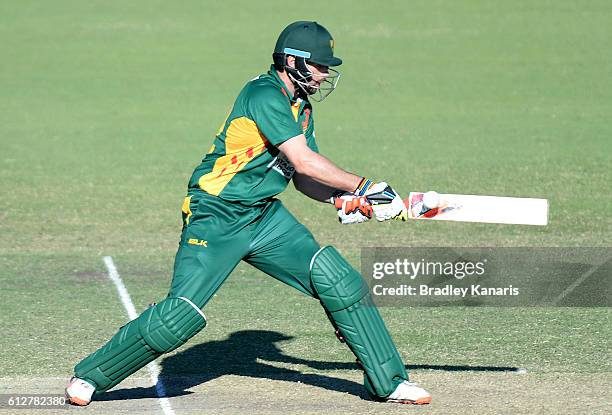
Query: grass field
point(107, 106)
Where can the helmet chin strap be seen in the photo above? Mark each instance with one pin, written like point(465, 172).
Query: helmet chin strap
point(302, 88)
point(300, 76)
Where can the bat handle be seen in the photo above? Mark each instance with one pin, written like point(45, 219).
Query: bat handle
point(338, 203)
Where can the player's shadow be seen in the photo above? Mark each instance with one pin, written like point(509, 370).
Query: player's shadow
point(250, 353)
point(244, 353)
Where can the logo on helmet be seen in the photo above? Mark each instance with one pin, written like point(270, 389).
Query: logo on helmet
point(332, 44)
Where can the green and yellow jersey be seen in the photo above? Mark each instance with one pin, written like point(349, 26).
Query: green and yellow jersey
point(244, 164)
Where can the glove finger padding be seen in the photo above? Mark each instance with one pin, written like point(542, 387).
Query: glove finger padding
point(357, 204)
point(352, 209)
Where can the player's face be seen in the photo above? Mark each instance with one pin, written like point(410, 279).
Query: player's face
point(318, 82)
point(319, 74)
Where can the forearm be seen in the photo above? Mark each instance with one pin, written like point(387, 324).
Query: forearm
point(313, 189)
point(323, 171)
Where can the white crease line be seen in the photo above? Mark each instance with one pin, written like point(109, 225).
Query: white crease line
point(131, 312)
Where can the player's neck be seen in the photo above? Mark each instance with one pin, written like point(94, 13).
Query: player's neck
point(288, 84)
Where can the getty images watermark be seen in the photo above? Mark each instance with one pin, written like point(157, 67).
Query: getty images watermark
point(489, 276)
point(423, 269)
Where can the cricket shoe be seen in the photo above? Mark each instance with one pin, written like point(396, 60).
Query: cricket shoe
point(79, 392)
point(409, 393)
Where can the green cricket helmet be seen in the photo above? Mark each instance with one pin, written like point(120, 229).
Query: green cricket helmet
point(309, 43)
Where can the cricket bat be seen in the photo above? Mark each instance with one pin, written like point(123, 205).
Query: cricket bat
point(472, 208)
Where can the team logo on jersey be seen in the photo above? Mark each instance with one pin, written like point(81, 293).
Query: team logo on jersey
point(282, 165)
point(306, 119)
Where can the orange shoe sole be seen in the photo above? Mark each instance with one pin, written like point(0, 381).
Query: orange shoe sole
point(76, 401)
point(422, 401)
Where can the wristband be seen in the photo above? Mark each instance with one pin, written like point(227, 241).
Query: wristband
point(363, 186)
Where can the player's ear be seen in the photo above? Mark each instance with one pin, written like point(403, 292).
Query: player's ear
point(291, 61)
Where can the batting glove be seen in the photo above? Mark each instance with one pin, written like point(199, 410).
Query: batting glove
point(386, 202)
point(352, 209)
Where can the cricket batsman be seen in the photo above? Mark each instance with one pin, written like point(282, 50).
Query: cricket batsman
point(230, 214)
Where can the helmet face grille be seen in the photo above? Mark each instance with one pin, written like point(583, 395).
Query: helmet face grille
point(327, 86)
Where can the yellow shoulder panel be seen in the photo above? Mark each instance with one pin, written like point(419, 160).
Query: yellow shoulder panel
point(243, 142)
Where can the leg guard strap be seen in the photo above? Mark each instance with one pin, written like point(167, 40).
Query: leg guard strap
point(345, 295)
point(160, 329)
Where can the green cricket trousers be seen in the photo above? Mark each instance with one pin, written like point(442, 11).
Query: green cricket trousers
point(216, 236)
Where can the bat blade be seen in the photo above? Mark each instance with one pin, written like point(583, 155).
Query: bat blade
point(483, 209)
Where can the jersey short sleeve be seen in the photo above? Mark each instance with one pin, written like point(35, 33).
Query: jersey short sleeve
point(310, 135)
point(271, 111)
